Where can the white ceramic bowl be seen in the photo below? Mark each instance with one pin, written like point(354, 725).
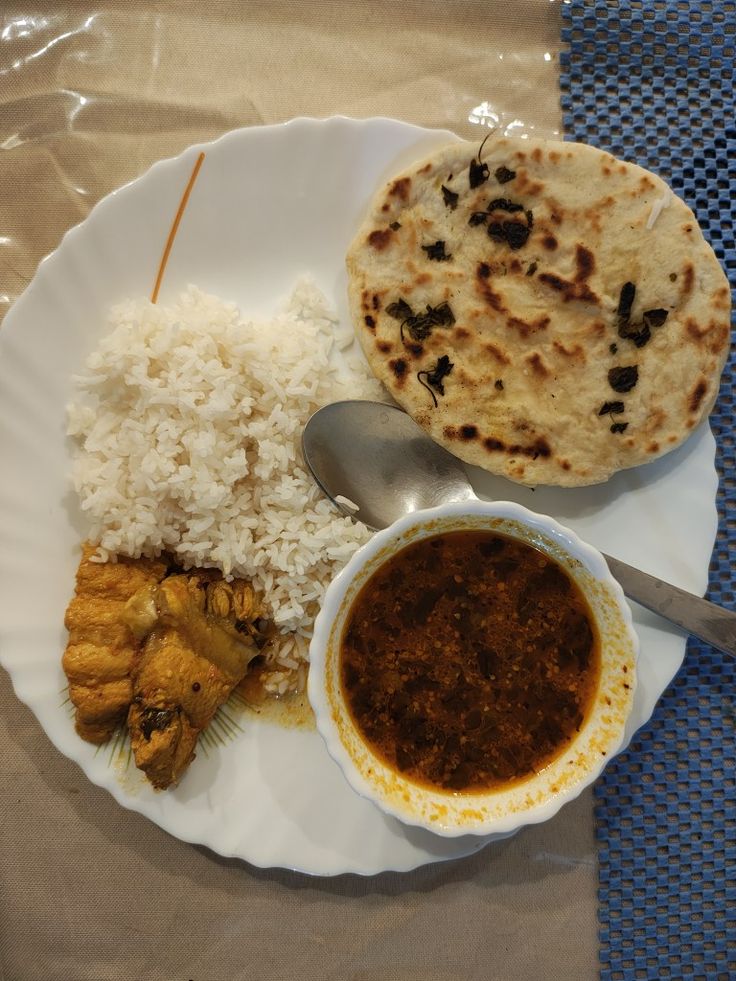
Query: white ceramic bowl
point(537, 798)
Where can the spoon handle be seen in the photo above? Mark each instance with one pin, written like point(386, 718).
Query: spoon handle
point(701, 618)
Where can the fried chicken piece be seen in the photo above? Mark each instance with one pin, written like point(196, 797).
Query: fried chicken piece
point(202, 639)
point(164, 651)
point(102, 650)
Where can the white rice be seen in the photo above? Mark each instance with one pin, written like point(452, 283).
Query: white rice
point(345, 502)
point(187, 422)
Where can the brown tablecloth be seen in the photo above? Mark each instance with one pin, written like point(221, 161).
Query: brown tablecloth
point(90, 97)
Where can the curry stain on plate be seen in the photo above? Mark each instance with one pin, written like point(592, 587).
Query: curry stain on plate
point(291, 711)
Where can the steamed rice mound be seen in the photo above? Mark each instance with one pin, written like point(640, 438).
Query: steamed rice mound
point(187, 422)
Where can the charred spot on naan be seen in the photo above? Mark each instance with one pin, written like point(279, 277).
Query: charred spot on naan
point(493, 299)
point(721, 339)
point(697, 395)
point(722, 298)
point(568, 291)
point(497, 353)
point(656, 420)
point(537, 365)
point(399, 368)
point(584, 263)
point(687, 280)
point(528, 187)
point(713, 336)
point(539, 448)
point(575, 352)
point(400, 189)
point(380, 238)
point(525, 328)
point(467, 433)
point(370, 304)
point(491, 267)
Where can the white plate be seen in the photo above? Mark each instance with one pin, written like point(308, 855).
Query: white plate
point(269, 204)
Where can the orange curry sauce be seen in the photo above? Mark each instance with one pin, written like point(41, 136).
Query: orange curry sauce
point(469, 661)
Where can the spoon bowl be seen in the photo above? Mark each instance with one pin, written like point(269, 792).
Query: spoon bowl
point(377, 457)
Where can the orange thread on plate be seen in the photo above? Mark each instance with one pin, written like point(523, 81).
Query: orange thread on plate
point(175, 227)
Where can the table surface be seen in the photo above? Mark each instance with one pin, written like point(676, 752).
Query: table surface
point(91, 96)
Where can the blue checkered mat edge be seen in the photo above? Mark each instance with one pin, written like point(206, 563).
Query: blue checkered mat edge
point(652, 81)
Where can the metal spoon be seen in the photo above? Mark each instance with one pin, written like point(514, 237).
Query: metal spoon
point(376, 457)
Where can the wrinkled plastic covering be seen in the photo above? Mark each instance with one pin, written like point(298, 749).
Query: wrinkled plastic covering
point(90, 97)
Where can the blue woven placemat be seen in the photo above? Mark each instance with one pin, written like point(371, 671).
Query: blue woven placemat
point(652, 81)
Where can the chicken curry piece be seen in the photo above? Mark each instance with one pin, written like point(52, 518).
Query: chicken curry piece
point(101, 651)
point(160, 648)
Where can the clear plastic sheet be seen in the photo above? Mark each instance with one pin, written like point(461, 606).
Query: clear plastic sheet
point(91, 96)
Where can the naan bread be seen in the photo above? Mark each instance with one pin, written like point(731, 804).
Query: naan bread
point(544, 310)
